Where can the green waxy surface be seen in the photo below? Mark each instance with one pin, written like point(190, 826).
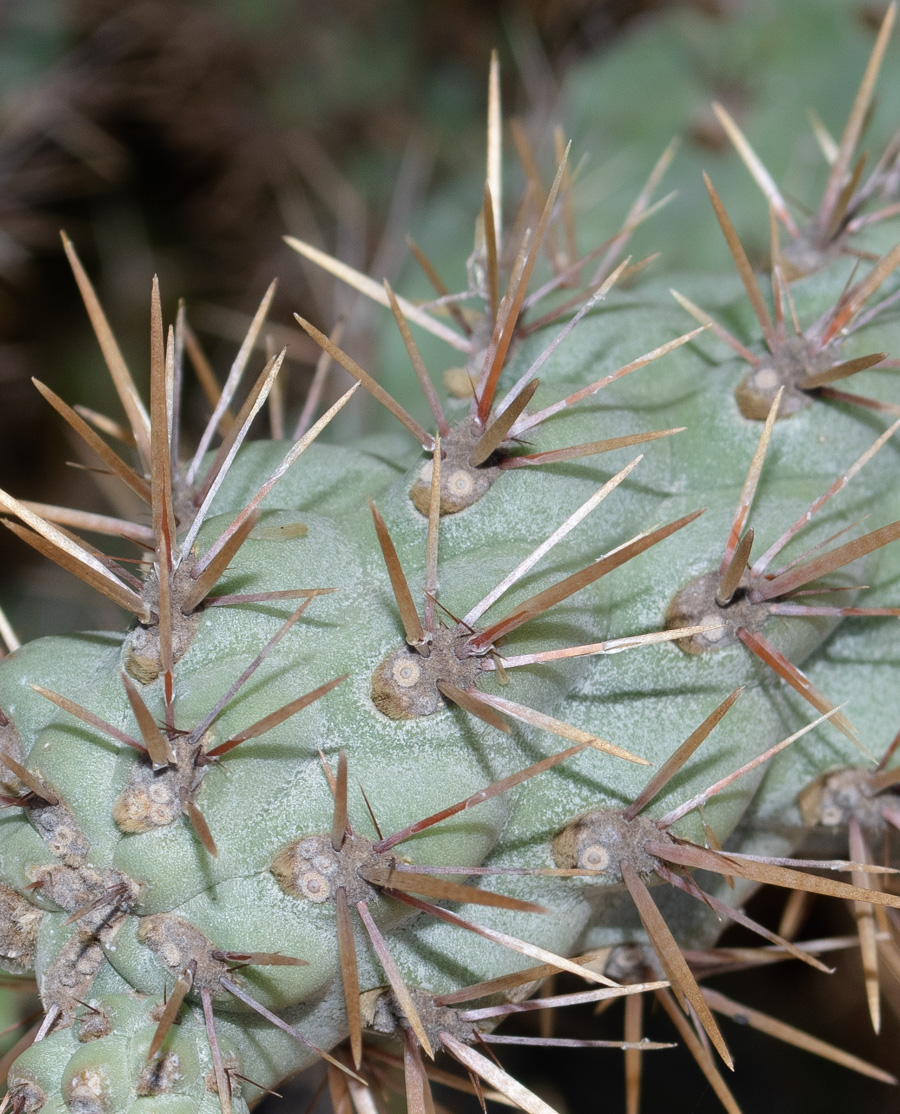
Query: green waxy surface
point(272, 790)
point(316, 531)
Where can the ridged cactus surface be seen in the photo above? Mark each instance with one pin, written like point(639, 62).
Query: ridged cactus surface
point(413, 717)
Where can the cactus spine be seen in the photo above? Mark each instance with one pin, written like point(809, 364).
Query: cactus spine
point(336, 718)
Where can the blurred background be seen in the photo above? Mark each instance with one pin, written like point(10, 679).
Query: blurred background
point(186, 138)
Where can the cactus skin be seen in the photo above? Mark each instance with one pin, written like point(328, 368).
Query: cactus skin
point(121, 914)
point(769, 64)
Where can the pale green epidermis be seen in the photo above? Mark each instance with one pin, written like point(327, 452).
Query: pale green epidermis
point(768, 62)
point(815, 54)
point(271, 791)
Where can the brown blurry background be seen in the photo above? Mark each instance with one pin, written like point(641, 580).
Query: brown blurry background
point(185, 138)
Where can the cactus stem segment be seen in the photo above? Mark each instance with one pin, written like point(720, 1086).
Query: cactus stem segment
point(478, 446)
point(624, 847)
point(166, 783)
point(493, 790)
point(343, 868)
point(803, 365)
point(212, 715)
point(440, 662)
point(116, 885)
point(745, 597)
point(865, 802)
point(476, 449)
point(852, 793)
point(827, 233)
point(453, 1030)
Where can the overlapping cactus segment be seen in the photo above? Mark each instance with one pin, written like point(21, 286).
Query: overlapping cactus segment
point(363, 690)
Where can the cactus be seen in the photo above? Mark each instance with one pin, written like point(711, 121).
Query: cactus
point(335, 719)
point(784, 75)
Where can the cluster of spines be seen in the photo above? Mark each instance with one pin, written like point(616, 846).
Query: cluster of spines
point(819, 365)
point(153, 604)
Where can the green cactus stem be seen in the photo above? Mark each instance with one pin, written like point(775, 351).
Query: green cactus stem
point(246, 830)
